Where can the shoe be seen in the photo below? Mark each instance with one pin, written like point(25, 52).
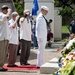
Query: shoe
point(27, 63)
point(35, 47)
point(15, 65)
point(38, 67)
point(24, 63)
point(3, 69)
point(12, 65)
point(18, 54)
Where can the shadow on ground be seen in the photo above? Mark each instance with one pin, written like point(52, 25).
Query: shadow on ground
point(33, 55)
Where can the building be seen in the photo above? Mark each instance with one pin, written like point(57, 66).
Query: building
point(52, 14)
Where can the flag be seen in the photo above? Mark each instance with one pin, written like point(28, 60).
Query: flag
point(35, 7)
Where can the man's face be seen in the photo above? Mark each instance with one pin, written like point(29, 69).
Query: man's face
point(14, 16)
point(44, 12)
point(5, 11)
point(28, 14)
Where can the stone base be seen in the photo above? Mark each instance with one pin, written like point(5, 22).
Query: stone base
point(49, 67)
point(54, 60)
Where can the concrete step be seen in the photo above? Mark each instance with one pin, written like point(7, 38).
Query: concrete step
point(49, 67)
point(55, 45)
point(54, 60)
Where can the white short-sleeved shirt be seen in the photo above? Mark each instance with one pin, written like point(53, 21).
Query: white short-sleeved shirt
point(13, 33)
point(4, 28)
point(25, 29)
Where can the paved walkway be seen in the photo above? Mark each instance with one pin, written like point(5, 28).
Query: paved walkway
point(49, 54)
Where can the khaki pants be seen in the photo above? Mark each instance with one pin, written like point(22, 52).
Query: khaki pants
point(3, 51)
point(12, 54)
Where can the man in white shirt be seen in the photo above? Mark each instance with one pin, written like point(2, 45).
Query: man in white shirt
point(13, 40)
point(25, 37)
point(4, 34)
point(41, 34)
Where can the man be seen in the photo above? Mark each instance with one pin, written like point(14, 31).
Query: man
point(4, 34)
point(41, 34)
point(13, 40)
point(49, 24)
point(34, 39)
point(72, 25)
point(25, 37)
point(49, 38)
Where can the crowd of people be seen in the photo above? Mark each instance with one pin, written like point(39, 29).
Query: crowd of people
point(12, 35)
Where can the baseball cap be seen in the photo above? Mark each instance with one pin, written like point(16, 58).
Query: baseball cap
point(45, 8)
point(14, 13)
point(4, 7)
point(26, 11)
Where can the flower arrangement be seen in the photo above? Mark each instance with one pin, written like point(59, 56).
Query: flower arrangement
point(68, 65)
point(67, 60)
point(69, 47)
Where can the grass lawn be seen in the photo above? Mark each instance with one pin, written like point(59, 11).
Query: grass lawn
point(65, 33)
point(65, 29)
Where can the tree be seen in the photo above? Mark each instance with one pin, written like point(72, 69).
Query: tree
point(67, 11)
point(66, 2)
point(19, 5)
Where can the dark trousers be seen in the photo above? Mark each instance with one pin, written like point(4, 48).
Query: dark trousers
point(18, 49)
point(25, 50)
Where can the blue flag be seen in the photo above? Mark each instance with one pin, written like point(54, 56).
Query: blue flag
point(35, 7)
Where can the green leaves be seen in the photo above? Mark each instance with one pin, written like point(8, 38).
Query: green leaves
point(69, 69)
point(19, 7)
point(65, 11)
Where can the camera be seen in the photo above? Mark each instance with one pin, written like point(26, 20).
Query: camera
point(25, 15)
